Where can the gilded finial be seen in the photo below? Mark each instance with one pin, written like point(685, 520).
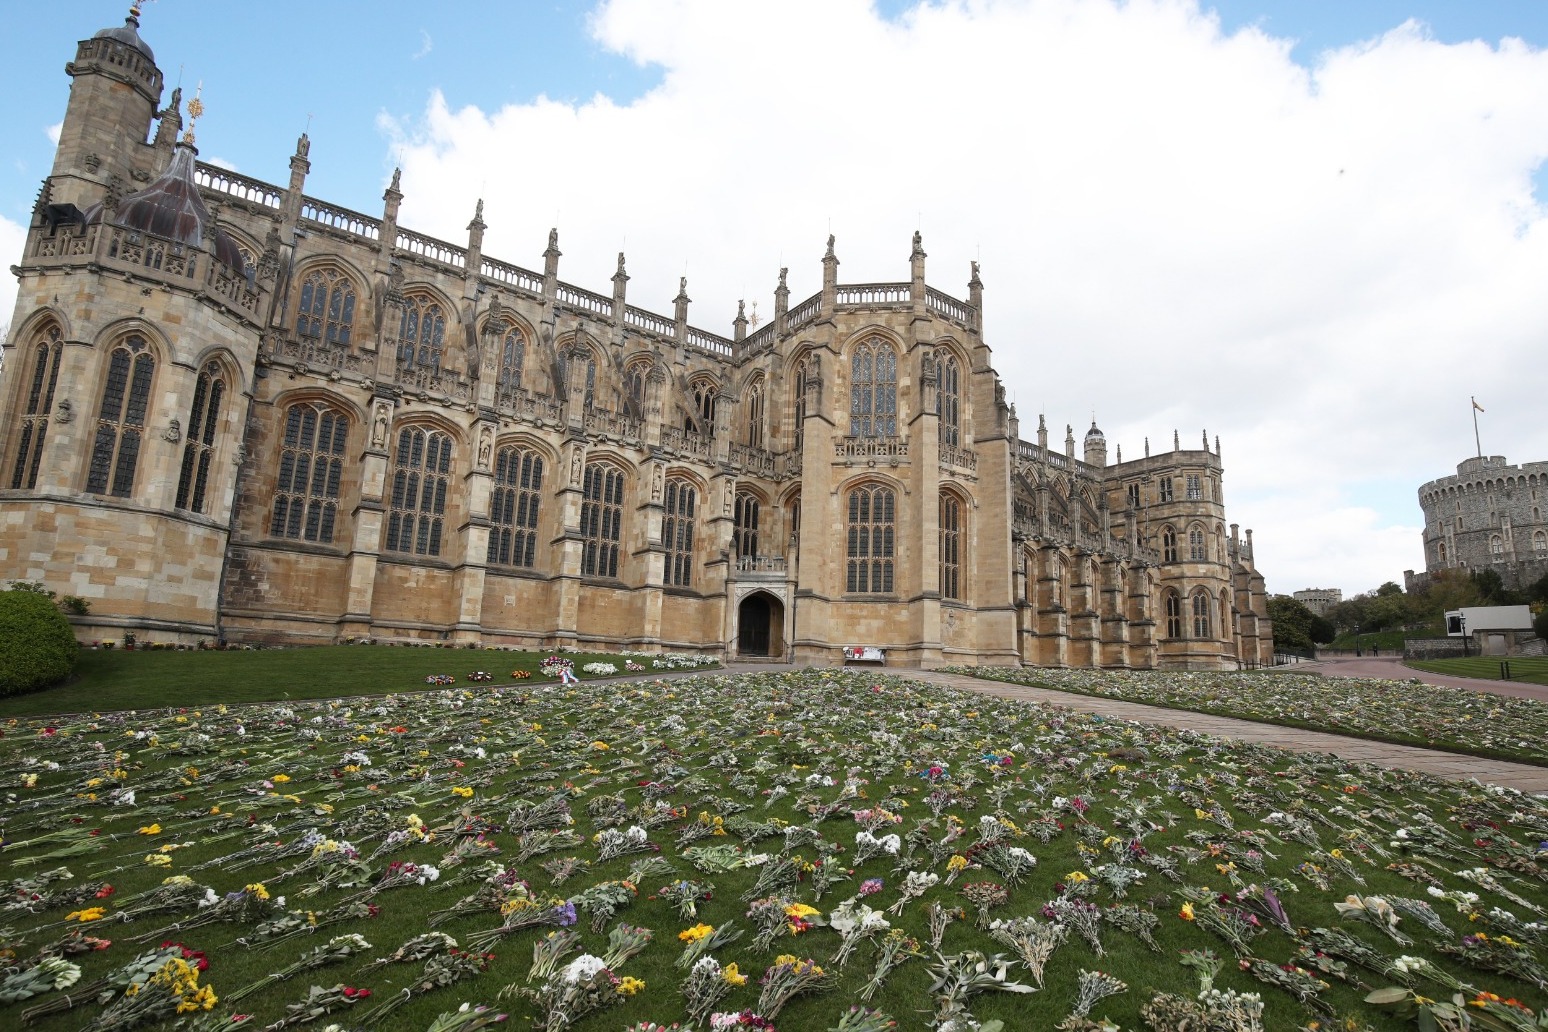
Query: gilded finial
point(195, 109)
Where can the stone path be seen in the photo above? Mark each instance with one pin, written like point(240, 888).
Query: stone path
point(1455, 766)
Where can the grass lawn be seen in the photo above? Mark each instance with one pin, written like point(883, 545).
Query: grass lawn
point(538, 824)
point(1532, 670)
point(115, 679)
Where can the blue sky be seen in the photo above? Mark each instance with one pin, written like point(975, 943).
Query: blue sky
point(1291, 223)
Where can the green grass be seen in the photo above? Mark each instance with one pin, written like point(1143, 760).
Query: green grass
point(1530, 670)
point(114, 679)
point(754, 748)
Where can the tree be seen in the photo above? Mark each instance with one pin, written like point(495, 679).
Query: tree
point(1292, 623)
point(37, 646)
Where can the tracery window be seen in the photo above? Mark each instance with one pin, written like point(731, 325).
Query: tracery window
point(948, 397)
point(635, 385)
point(744, 526)
point(1164, 489)
point(1200, 614)
point(327, 306)
point(873, 390)
point(1168, 545)
point(199, 446)
point(601, 519)
point(421, 472)
point(580, 366)
point(703, 419)
point(1134, 496)
point(1196, 550)
point(121, 419)
point(950, 546)
point(47, 353)
point(1497, 548)
point(513, 356)
point(677, 532)
point(513, 513)
point(306, 498)
point(752, 410)
point(1195, 491)
point(1174, 620)
point(422, 336)
point(799, 434)
point(872, 533)
point(1539, 542)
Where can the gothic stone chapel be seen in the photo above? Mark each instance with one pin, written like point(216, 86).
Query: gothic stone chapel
point(231, 410)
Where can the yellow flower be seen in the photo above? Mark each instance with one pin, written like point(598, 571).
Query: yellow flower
point(89, 914)
point(601, 747)
point(280, 779)
point(150, 829)
point(629, 985)
point(159, 860)
point(731, 976)
point(257, 889)
point(957, 862)
point(1076, 876)
point(695, 933)
point(463, 791)
point(1186, 913)
point(800, 910)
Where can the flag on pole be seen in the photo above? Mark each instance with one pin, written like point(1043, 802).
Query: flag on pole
point(1477, 406)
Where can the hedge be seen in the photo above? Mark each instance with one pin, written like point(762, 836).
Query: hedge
point(37, 646)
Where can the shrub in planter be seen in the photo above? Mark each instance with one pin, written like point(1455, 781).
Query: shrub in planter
point(37, 646)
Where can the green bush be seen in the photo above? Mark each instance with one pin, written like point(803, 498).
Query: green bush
point(37, 647)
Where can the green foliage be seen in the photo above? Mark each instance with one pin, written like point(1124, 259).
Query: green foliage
point(1292, 623)
point(1540, 623)
point(75, 605)
point(37, 646)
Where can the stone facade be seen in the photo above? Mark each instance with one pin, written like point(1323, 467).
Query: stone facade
point(1319, 600)
point(1490, 516)
point(235, 411)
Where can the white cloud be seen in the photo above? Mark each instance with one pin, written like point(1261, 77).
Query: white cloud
point(426, 44)
point(1178, 228)
point(13, 238)
point(53, 132)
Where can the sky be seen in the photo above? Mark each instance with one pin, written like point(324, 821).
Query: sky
point(1314, 228)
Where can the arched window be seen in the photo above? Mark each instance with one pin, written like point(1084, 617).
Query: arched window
point(873, 390)
point(1440, 551)
point(703, 419)
point(194, 480)
point(744, 526)
point(421, 472)
point(948, 397)
point(677, 532)
point(306, 498)
point(121, 419)
point(1196, 551)
point(1201, 614)
point(1226, 626)
point(798, 435)
point(1539, 542)
point(950, 546)
point(1174, 620)
point(513, 513)
point(635, 379)
point(1168, 545)
point(422, 336)
point(580, 366)
point(752, 413)
point(326, 310)
point(871, 541)
point(1497, 548)
point(513, 356)
point(46, 355)
point(601, 519)
point(1055, 581)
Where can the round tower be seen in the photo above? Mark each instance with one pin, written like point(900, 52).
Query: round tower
point(1096, 446)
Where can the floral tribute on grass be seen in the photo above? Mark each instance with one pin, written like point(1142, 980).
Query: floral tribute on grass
point(812, 850)
point(1408, 712)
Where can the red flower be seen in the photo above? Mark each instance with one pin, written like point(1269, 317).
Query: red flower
point(355, 994)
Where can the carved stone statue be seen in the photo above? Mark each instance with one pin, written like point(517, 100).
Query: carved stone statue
point(485, 448)
point(655, 483)
point(63, 411)
point(577, 466)
point(379, 427)
point(174, 431)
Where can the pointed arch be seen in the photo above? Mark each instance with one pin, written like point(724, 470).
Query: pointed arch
point(212, 385)
point(43, 355)
point(422, 468)
point(873, 388)
point(121, 417)
point(311, 469)
point(326, 303)
point(871, 528)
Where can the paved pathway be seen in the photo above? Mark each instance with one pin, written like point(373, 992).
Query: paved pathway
point(1455, 766)
point(1393, 668)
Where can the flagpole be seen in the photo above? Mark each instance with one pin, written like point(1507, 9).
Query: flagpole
point(1476, 442)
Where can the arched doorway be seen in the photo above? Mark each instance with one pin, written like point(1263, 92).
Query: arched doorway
point(760, 624)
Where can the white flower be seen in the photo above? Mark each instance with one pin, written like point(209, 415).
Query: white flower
point(583, 969)
point(707, 967)
point(891, 844)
